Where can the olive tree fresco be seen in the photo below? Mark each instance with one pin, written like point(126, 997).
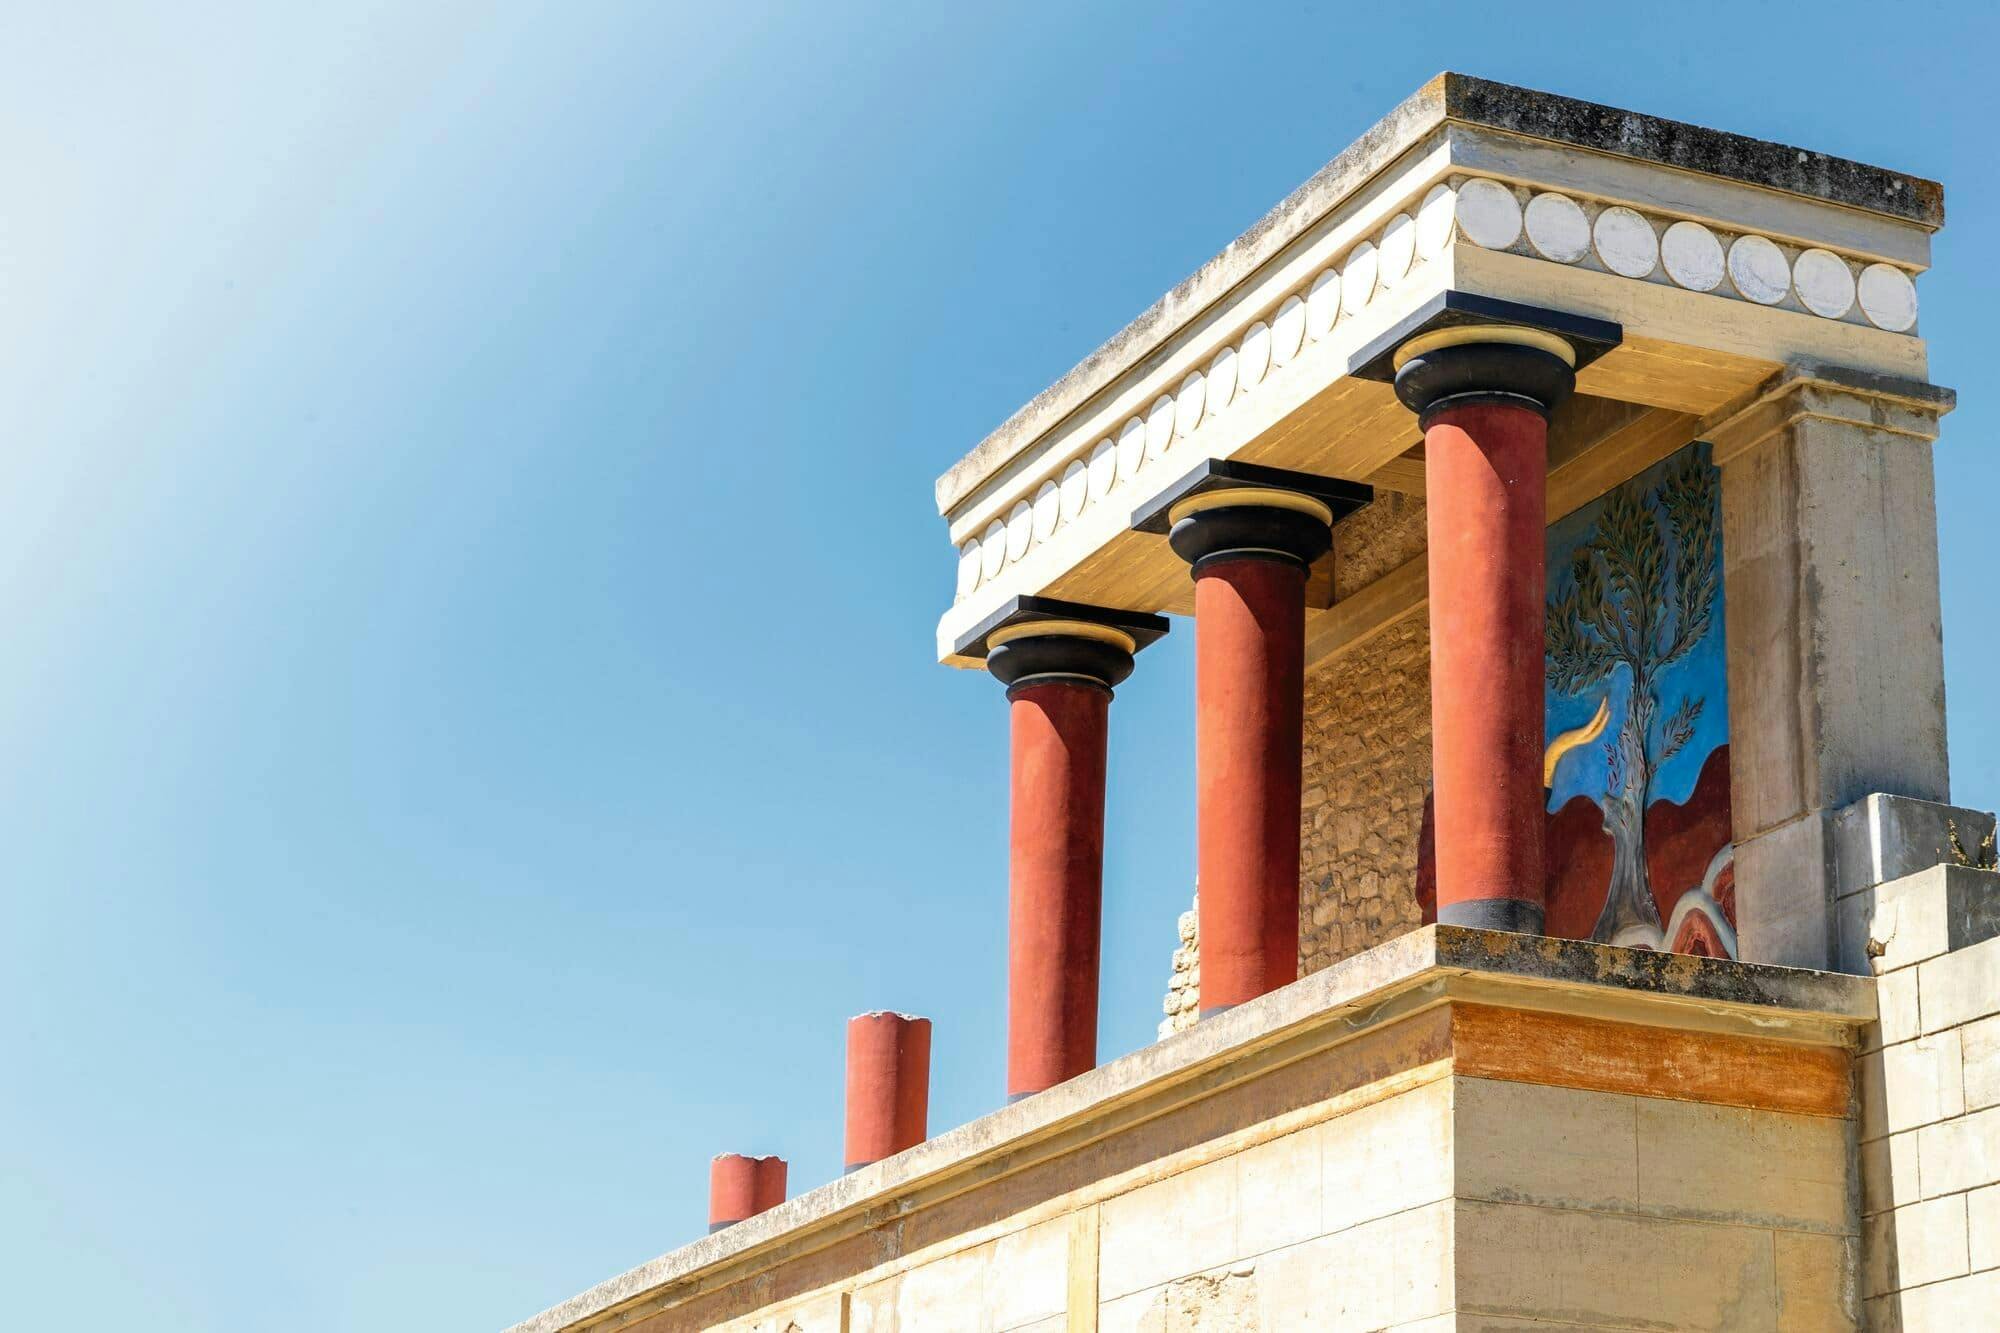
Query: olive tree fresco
point(1636, 674)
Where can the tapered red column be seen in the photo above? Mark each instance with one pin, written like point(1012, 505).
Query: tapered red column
point(1059, 676)
point(888, 1085)
point(740, 1187)
point(1483, 396)
point(1249, 551)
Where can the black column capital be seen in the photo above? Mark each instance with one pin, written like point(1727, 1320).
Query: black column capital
point(1469, 364)
point(1038, 640)
point(1224, 509)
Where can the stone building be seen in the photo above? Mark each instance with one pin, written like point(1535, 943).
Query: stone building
point(1582, 937)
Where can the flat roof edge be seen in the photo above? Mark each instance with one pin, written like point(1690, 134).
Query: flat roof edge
point(1464, 99)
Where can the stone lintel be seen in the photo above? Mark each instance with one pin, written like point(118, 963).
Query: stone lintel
point(1508, 1007)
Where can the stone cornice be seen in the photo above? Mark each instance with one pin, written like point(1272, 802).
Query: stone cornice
point(1452, 99)
point(1897, 407)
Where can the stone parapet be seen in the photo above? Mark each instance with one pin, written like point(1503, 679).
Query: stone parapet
point(1455, 1129)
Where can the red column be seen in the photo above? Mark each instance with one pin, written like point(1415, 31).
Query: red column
point(888, 1085)
point(1055, 881)
point(1486, 468)
point(1249, 722)
point(740, 1187)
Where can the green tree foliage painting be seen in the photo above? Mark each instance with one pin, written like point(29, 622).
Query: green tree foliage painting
point(1641, 594)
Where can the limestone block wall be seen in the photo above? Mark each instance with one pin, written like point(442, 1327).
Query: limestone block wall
point(1930, 1103)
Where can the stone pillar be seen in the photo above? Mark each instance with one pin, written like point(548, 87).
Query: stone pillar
point(1059, 675)
point(1835, 646)
point(740, 1187)
point(888, 1085)
point(1249, 549)
point(1482, 395)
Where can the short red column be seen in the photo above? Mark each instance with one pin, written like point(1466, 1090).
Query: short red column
point(1055, 880)
point(740, 1187)
point(888, 1085)
point(1059, 670)
point(1249, 616)
point(1483, 407)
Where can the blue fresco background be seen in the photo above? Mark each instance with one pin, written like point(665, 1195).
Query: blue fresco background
point(1701, 672)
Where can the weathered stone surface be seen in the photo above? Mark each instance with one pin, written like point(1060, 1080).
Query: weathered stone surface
point(1553, 1263)
point(1884, 837)
point(1525, 1143)
point(1911, 1084)
point(1740, 1166)
point(1918, 1243)
point(1897, 924)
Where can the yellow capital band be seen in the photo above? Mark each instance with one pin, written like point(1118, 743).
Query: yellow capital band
point(1069, 629)
point(1250, 496)
point(1485, 333)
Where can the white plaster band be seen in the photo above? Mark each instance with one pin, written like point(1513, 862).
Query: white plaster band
point(1069, 629)
point(1467, 334)
point(1248, 497)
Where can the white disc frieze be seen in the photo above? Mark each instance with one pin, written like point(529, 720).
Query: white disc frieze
point(1107, 463)
point(1557, 228)
point(1625, 243)
point(1692, 256)
point(1189, 402)
point(1357, 278)
point(1322, 304)
point(1159, 427)
point(1020, 529)
point(968, 567)
point(1131, 450)
point(1288, 331)
point(993, 549)
point(1075, 489)
point(1221, 380)
point(1488, 214)
point(1048, 511)
point(1434, 218)
point(1824, 284)
point(1396, 251)
point(1254, 356)
point(1888, 297)
point(1758, 269)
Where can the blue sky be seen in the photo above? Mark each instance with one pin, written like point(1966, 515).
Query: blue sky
point(468, 571)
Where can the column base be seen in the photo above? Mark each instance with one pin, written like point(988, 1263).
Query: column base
point(1509, 914)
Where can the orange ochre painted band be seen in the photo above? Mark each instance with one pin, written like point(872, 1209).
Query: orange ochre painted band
point(1531, 1046)
point(1485, 480)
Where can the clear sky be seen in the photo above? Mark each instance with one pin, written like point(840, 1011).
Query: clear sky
point(468, 571)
